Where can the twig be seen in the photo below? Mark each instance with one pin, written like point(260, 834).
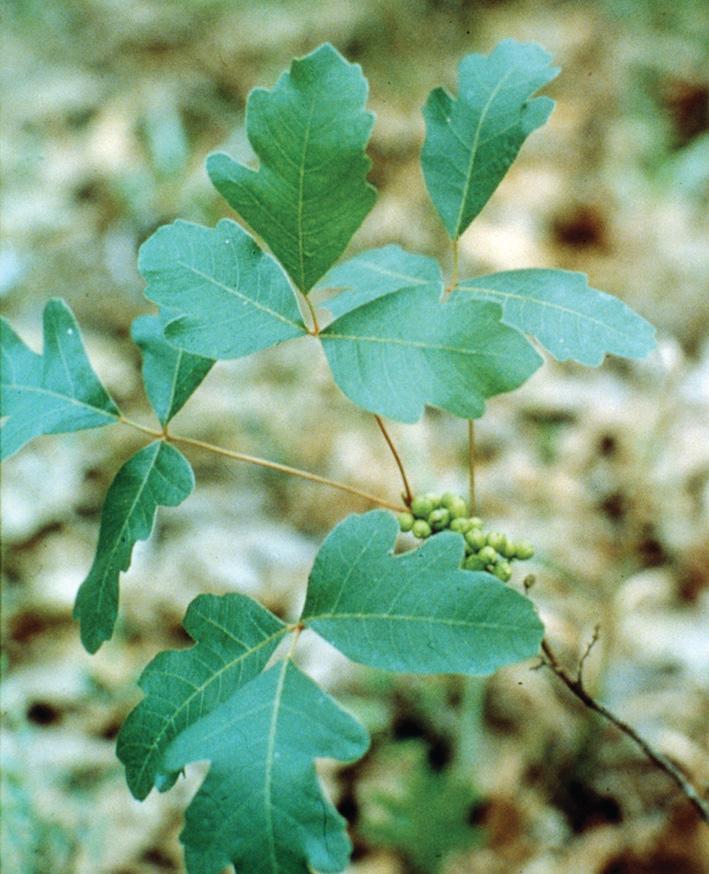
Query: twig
point(263, 462)
point(471, 467)
point(407, 494)
point(577, 688)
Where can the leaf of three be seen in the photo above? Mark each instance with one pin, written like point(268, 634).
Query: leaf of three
point(51, 393)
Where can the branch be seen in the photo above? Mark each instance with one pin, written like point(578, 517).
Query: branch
point(471, 467)
point(263, 462)
point(407, 493)
point(576, 687)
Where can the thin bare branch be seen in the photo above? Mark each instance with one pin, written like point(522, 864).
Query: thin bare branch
point(577, 688)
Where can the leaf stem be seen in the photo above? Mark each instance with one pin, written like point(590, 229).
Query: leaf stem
point(316, 327)
point(263, 462)
point(407, 494)
point(471, 467)
point(576, 686)
point(454, 273)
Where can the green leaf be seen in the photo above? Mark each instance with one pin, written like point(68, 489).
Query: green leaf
point(569, 318)
point(416, 612)
point(235, 636)
point(472, 141)
point(310, 193)
point(157, 475)
point(170, 375)
point(376, 273)
point(261, 808)
point(50, 393)
point(232, 298)
point(407, 349)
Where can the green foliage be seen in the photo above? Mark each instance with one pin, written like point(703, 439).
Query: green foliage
point(310, 193)
point(156, 475)
point(398, 342)
point(396, 354)
point(416, 612)
point(234, 638)
point(376, 273)
point(229, 298)
point(170, 375)
point(472, 141)
point(53, 392)
point(260, 807)
point(569, 319)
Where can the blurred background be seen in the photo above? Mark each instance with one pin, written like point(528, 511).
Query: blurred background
point(109, 111)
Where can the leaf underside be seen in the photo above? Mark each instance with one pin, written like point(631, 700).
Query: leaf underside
point(157, 475)
point(260, 807)
point(570, 319)
point(376, 273)
point(310, 193)
point(417, 612)
point(231, 299)
point(51, 393)
point(170, 375)
point(235, 636)
point(395, 354)
point(472, 141)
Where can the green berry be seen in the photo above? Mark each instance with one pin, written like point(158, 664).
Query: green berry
point(487, 555)
point(455, 505)
point(473, 563)
point(439, 519)
point(406, 521)
point(421, 529)
point(421, 507)
point(524, 550)
point(459, 525)
point(475, 539)
point(476, 522)
point(496, 540)
point(434, 499)
point(509, 550)
point(503, 571)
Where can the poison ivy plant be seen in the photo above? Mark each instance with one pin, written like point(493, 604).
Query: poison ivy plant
point(398, 341)
point(310, 193)
point(53, 392)
point(158, 475)
point(568, 318)
point(472, 141)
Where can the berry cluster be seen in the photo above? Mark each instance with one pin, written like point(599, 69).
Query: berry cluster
point(484, 550)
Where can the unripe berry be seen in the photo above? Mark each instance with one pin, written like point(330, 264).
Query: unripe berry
point(455, 505)
point(503, 571)
point(487, 555)
point(421, 507)
point(473, 563)
point(496, 540)
point(406, 521)
point(421, 529)
point(439, 519)
point(524, 550)
point(476, 522)
point(459, 525)
point(434, 499)
point(475, 538)
point(509, 550)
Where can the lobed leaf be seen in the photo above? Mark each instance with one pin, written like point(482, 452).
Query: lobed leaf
point(170, 375)
point(416, 612)
point(51, 393)
point(310, 193)
point(570, 319)
point(397, 353)
point(471, 142)
point(376, 273)
point(260, 807)
point(234, 636)
point(157, 475)
point(229, 297)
